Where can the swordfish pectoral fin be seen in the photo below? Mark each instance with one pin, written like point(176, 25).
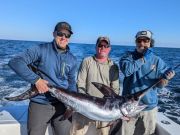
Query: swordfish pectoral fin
point(105, 90)
point(32, 92)
point(68, 114)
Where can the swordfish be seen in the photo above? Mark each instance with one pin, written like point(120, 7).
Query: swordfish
point(110, 108)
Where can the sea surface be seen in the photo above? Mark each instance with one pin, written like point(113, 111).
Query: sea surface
point(11, 84)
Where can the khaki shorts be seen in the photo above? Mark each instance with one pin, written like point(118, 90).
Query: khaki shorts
point(81, 124)
point(144, 124)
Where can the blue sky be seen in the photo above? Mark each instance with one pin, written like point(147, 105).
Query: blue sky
point(119, 19)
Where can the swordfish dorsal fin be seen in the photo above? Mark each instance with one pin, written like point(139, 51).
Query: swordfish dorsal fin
point(105, 90)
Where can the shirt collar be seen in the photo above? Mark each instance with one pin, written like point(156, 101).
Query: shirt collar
point(107, 62)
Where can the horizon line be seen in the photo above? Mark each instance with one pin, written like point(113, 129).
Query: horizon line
point(86, 43)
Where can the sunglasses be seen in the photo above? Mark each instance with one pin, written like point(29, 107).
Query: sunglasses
point(143, 40)
point(105, 46)
point(61, 34)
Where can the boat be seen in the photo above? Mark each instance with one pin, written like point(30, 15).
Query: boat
point(13, 121)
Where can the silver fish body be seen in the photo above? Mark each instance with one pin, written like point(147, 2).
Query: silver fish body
point(110, 108)
point(100, 109)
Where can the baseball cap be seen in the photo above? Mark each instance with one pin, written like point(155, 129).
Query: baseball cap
point(106, 39)
point(145, 33)
point(63, 26)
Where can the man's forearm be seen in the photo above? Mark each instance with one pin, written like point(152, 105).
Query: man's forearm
point(21, 68)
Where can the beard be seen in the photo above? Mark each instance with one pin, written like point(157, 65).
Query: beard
point(103, 55)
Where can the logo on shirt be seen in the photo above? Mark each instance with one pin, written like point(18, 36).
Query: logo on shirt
point(153, 67)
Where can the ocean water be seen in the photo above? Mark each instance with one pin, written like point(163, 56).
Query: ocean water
point(11, 84)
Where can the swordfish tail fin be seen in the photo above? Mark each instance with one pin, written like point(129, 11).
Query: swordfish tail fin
point(32, 92)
